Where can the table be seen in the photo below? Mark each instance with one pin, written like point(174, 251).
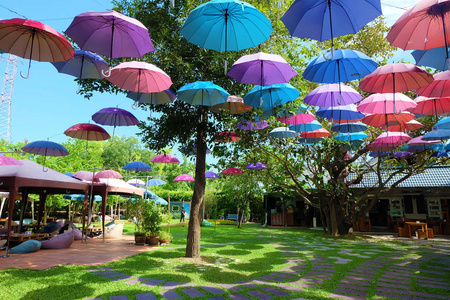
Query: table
point(25, 237)
point(411, 225)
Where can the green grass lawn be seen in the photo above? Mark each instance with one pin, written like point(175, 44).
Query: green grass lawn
point(252, 251)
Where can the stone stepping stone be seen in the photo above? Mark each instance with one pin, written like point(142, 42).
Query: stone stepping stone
point(112, 275)
point(278, 274)
point(170, 285)
point(272, 278)
point(153, 282)
point(121, 278)
point(312, 280)
point(98, 269)
point(434, 286)
point(104, 272)
point(119, 297)
point(213, 290)
point(171, 295)
point(392, 285)
point(216, 298)
point(238, 297)
point(146, 296)
point(359, 278)
point(230, 287)
point(259, 295)
point(275, 291)
point(193, 293)
point(136, 280)
point(392, 296)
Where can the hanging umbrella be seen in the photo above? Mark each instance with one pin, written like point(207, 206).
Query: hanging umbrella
point(107, 174)
point(339, 113)
point(247, 125)
point(271, 95)
point(443, 124)
point(84, 175)
point(285, 111)
point(348, 137)
point(45, 148)
point(231, 171)
point(34, 41)
point(302, 118)
point(164, 97)
point(379, 120)
point(326, 19)
point(432, 106)
point(408, 126)
point(110, 33)
point(137, 166)
point(311, 126)
point(88, 132)
point(439, 88)
point(184, 177)
point(388, 141)
point(439, 134)
point(283, 133)
point(9, 161)
point(114, 116)
point(348, 127)
point(203, 93)
point(402, 154)
point(318, 133)
point(139, 76)
point(310, 141)
point(261, 69)
point(418, 141)
point(329, 95)
point(136, 182)
point(149, 194)
point(80, 197)
point(379, 154)
point(434, 58)
point(209, 174)
point(83, 65)
point(346, 65)
point(256, 166)
point(155, 182)
point(384, 103)
point(227, 137)
point(165, 158)
point(234, 106)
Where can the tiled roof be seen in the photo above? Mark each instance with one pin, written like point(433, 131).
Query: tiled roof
point(432, 177)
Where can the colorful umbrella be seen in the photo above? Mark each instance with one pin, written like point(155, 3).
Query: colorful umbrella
point(107, 174)
point(432, 106)
point(165, 158)
point(184, 177)
point(227, 137)
point(348, 127)
point(234, 106)
point(418, 141)
point(443, 124)
point(137, 166)
point(9, 161)
point(384, 103)
point(136, 182)
point(434, 58)
point(346, 65)
point(247, 125)
point(84, 175)
point(311, 126)
point(114, 116)
point(88, 132)
point(256, 166)
point(45, 148)
point(155, 182)
point(310, 141)
point(402, 154)
point(34, 41)
point(283, 133)
point(261, 69)
point(388, 141)
point(138, 76)
point(378, 120)
point(203, 93)
point(439, 88)
point(209, 174)
point(329, 95)
point(271, 95)
point(111, 34)
point(83, 65)
point(164, 97)
point(353, 136)
point(439, 134)
point(302, 118)
point(408, 126)
point(339, 113)
point(318, 133)
point(231, 171)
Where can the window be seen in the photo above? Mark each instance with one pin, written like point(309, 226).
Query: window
point(409, 205)
point(175, 208)
point(421, 204)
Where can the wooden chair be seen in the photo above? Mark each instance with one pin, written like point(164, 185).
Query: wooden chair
point(421, 234)
point(401, 232)
point(430, 233)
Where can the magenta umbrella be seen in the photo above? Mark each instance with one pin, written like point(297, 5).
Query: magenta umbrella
point(262, 69)
point(418, 141)
point(88, 132)
point(165, 158)
point(388, 141)
point(9, 161)
point(184, 177)
point(384, 103)
point(138, 76)
point(231, 171)
point(302, 118)
point(107, 174)
point(439, 88)
point(333, 94)
point(84, 175)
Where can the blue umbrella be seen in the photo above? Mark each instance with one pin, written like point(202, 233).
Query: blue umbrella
point(440, 134)
point(45, 148)
point(441, 154)
point(282, 133)
point(164, 97)
point(160, 200)
point(346, 65)
point(349, 127)
point(435, 58)
point(137, 166)
point(80, 197)
point(83, 65)
point(379, 154)
point(209, 174)
point(69, 174)
point(226, 25)
point(270, 96)
point(443, 124)
point(311, 141)
point(203, 93)
point(402, 154)
point(354, 136)
point(314, 125)
point(155, 182)
point(344, 112)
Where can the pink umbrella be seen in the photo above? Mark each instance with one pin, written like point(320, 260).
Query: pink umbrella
point(227, 137)
point(231, 171)
point(439, 88)
point(166, 159)
point(334, 94)
point(84, 175)
point(9, 161)
point(138, 76)
point(107, 174)
point(234, 105)
point(389, 141)
point(408, 126)
point(384, 103)
point(318, 133)
point(432, 106)
point(184, 177)
point(379, 120)
point(417, 141)
point(302, 118)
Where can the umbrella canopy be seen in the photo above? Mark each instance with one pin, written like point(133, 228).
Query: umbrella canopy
point(283, 133)
point(393, 78)
point(164, 97)
point(353, 136)
point(439, 134)
point(226, 25)
point(329, 95)
point(34, 41)
point(379, 154)
point(311, 126)
point(378, 120)
point(443, 124)
point(346, 65)
point(209, 174)
point(110, 33)
point(345, 112)
point(234, 106)
point(432, 106)
point(107, 174)
point(439, 88)
point(9, 161)
point(318, 133)
point(434, 58)
point(348, 127)
point(256, 166)
point(227, 137)
point(271, 95)
point(155, 182)
point(310, 141)
point(137, 166)
point(84, 65)
point(418, 141)
point(87, 131)
point(231, 171)
point(136, 182)
point(80, 197)
point(388, 141)
point(408, 126)
point(165, 158)
point(45, 148)
point(114, 116)
point(302, 118)
point(322, 20)
point(385, 104)
point(84, 175)
point(139, 76)
point(401, 154)
point(203, 93)
point(247, 125)
point(184, 177)
point(261, 69)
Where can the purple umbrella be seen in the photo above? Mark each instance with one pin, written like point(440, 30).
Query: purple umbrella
point(9, 161)
point(247, 125)
point(334, 94)
point(114, 116)
point(256, 166)
point(136, 182)
point(211, 175)
point(261, 69)
point(45, 148)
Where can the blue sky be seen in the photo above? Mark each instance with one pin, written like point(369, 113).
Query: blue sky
point(46, 104)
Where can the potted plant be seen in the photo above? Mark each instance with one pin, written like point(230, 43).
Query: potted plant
point(151, 222)
point(165, 237)
point(136, 209)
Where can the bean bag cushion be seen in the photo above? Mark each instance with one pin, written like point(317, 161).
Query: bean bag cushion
point(64, 228)
point(61, 241)
point(49, 228)
point(111, 224)
point(3, 230)
point(26, 247)
point(77, 234)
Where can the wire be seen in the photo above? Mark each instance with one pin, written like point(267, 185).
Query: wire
point(14, 12)
point(403, 8)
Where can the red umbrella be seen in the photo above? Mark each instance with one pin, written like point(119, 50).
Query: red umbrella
point(432, 106)
point(184, 177)
point(318, 133)
point(88, 132)
point(379, 120)
point(107, 174)
point(231, 171)
point(165, 158)
point(227, 137)
point(9, 161)
point(408, 126)
point(34, 40)
point(439, 88)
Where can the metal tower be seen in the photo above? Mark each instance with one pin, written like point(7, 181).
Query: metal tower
point(6, 97)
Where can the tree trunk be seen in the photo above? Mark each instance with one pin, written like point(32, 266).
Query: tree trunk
point(324, 219)
point(194, 230)
point(238, 219)
point(333, 219)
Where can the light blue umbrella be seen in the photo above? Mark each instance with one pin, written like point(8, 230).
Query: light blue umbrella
point(203, 93)
point(80, 197)
point(164, 97)
point(226, 25)
point(284, 112)
point(137, 166)
point(314, 125)
point(160, 200)
point(354, 136)
point(270, 96)
point(344, 112)
point(155, 182)
point(443, 124)
point(149, 194)
point(282, 133)
point(346, 65)
point(311, 141)
point(435, 58)
point(440, 134)
point(349, 127)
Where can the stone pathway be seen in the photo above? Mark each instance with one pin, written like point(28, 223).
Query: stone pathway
point(308, 269)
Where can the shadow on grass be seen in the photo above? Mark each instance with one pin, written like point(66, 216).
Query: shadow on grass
point(60, 291)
